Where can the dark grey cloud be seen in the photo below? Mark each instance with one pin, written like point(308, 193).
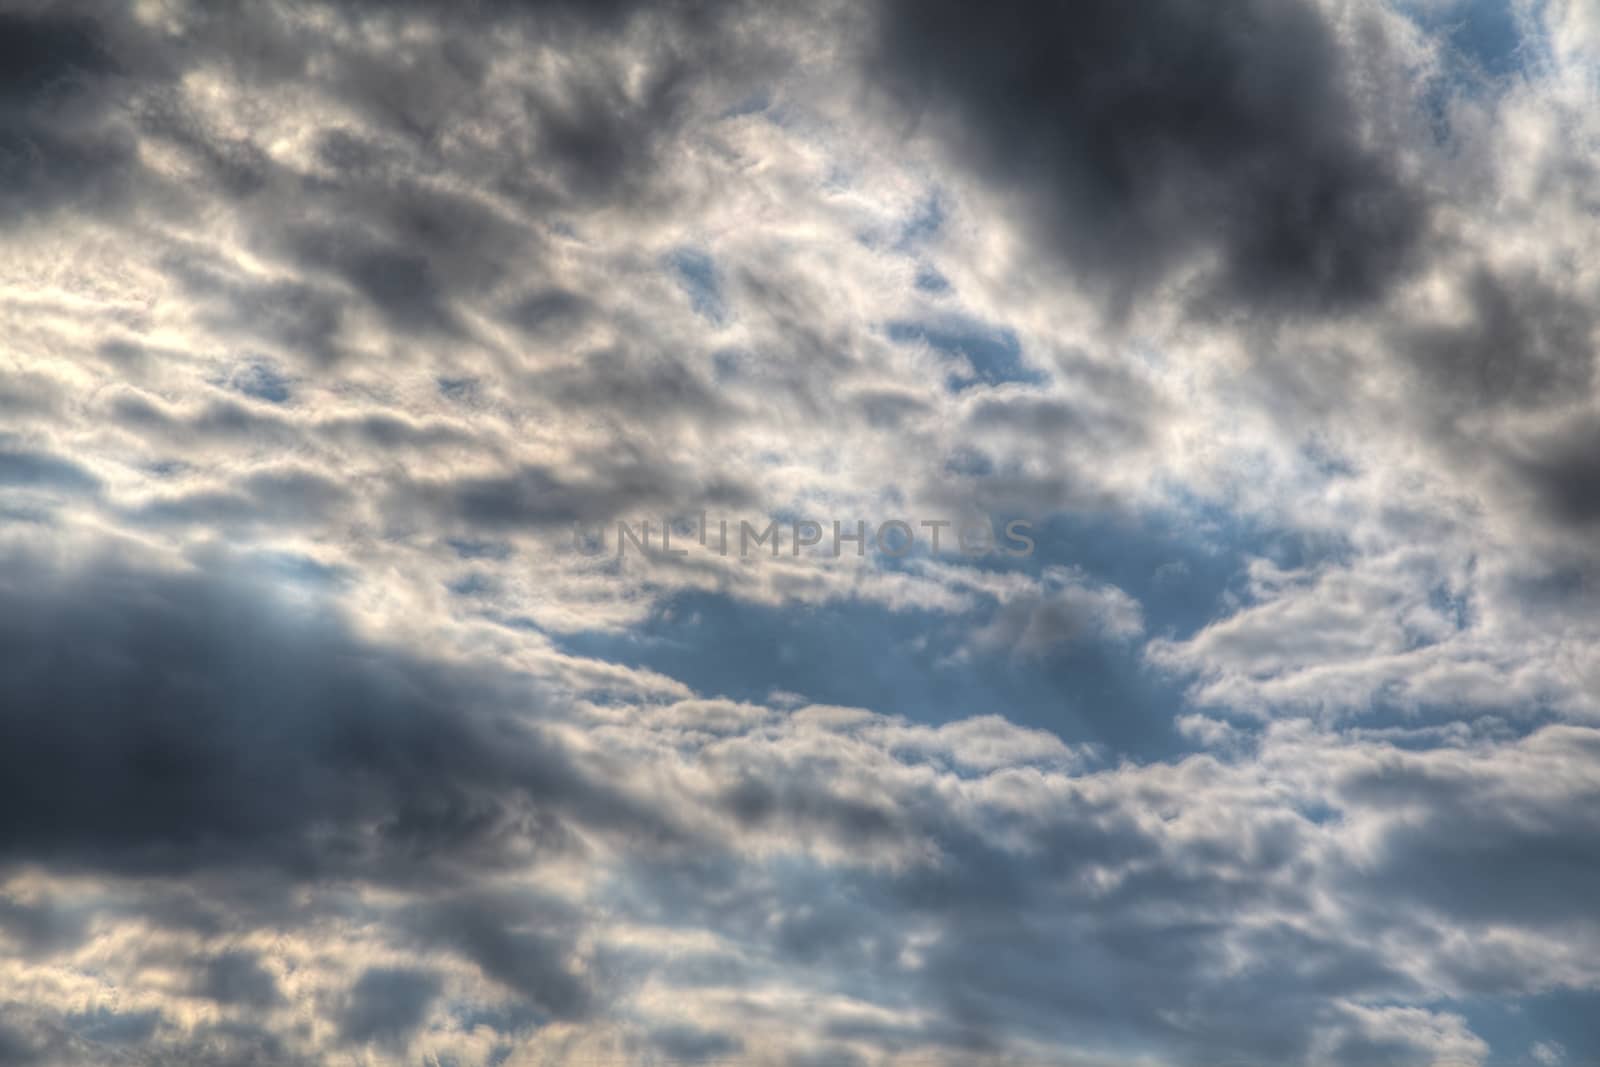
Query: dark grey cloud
point(169, 723)
point(1499, 387)
point(689, 1044)
point(1139, 135)
point(598, 12)
point(230, 1044)
point(549, 312)
point(303, 320)
point(1056, 420)
point(1562, 468)
point(46, 54)
point(633, 389)
point(16, 1048)
point(1487, 846)
point(105, 1027)
point(601, 137)
point(810, 807)
point(26, 397)
point(293, 498)
point(386, 1005)
point(384, 431)
point(40, 929)
point(398, 281)
point(195, 731)
point(220, 420)
point(624, 481)
point(592, 134)
point(62, 140)
point(38, 470)
point(30, 1037)
point(1525, 342)
point(888, 409)
point(521, 941)
point(237, 977)
point(232, 166)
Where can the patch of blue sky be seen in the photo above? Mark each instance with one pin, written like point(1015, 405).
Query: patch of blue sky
point(1487, 44)
point(457, 389)
point(968, 462)
point(1562, 1018)
point(469, 548)
point(1482, 37)
point(930, 281)
point(1421, 727)
point(696, 273)
point(473, 585)
point(1185, 566)
point(1325, 461)
point(924, 223)
point(728, 365)
point(260, 380)
point(296, 567)
point(982, 354)
point(904, 662)
point(166, 468)
point(756, 103)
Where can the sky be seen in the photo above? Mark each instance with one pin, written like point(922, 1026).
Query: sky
point(341, 722)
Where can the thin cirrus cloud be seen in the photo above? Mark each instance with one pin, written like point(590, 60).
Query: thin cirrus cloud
point(326, 322)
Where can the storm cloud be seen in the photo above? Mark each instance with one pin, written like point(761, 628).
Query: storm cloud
point(1138, 138)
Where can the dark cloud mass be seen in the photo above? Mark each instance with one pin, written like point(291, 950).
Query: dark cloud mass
point(238, 978)
point(387, 1005)
point(171, 723)
point(1141, 136)
point(60, 139)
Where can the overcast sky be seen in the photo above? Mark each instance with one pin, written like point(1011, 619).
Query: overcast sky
point(329, 736)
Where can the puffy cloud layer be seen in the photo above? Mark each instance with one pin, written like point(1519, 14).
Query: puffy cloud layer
point(322, 741)
point(266, 819)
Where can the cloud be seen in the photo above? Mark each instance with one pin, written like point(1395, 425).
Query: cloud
point(519, 941)
point(36, 470)
point(237, 977)
point(205, 727)
point(1066, 608)
point(61, 143)
point(326, 321)
point(948, 873)
point(387, 1005)
point(1137, 140)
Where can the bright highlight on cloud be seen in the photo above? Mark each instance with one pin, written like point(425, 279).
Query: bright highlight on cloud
point(330, 327)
